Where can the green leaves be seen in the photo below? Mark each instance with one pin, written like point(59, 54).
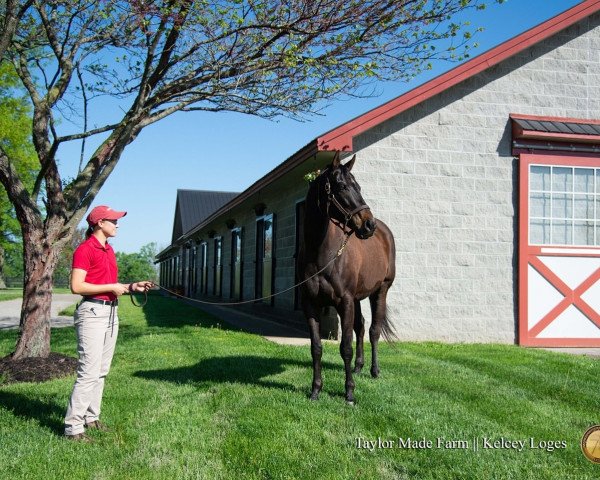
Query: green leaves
point(15, 139)
point(134, 267)
point(311, 176)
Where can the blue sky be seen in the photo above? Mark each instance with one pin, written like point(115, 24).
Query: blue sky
point(229, 151)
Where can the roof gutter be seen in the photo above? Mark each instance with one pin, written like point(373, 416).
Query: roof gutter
point(524, 147)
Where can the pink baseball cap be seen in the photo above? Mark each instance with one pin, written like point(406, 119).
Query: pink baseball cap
point(102, 212)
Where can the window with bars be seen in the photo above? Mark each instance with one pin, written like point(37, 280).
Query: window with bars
point(564, 205)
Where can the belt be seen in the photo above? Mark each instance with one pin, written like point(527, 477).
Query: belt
point(112, 303)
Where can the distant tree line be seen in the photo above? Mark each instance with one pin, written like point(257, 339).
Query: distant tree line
point(133, 266)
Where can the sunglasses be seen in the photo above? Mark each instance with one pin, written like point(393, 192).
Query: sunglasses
point(114, 222)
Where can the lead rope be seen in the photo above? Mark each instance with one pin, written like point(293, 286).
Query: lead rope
point(140, 305)
point(339, 252)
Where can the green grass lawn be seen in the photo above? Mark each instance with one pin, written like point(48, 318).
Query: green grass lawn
point(187, 399)
point(10, 293)
point(13, 293)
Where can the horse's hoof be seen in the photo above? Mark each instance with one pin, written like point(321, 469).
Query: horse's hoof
point(375, 373)
point(350, 403)
point(358, 369)
point(314, 396)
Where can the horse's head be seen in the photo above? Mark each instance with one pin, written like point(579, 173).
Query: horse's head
point(344, 200)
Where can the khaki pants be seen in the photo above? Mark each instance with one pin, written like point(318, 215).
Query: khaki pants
point(96, 327)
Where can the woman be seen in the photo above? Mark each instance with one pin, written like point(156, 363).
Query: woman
point(94, 275)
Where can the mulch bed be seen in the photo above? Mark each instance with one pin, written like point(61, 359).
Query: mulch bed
point(36, 369)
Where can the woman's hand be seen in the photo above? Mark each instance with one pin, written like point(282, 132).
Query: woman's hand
point(140, 286)
point(119, 289)
point(80, 287)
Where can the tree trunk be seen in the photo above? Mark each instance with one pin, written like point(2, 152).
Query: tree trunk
point(40, 258)
point(2, 282)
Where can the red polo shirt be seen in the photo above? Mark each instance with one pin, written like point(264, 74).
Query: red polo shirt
point(99, 262)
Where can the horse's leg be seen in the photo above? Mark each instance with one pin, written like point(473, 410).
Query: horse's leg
point(316, 348)
point(359, 330)
point(378, 306)
point(346, 312)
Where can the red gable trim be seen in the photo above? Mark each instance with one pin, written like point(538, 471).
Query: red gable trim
point(341, 137)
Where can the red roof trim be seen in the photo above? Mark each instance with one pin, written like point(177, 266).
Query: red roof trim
point(521, 133)
point(341, 137)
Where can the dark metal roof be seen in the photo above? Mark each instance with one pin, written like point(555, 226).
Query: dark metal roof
point(556, 126)
point(194, 206)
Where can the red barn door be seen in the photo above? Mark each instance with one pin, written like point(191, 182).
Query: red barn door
point(559, 250)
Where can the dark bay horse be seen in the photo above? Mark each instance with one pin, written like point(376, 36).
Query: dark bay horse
point(366, 267)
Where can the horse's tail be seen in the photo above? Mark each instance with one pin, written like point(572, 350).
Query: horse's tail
point(388, 332)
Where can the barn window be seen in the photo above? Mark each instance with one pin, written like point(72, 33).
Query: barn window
point(300, 213)
point(265, 259)
point(203, 268)
point(218, 266)
point(236, 264)
point(193, 282)
point(564, 205)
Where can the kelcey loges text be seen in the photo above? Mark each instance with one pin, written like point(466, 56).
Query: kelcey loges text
point(483, 443)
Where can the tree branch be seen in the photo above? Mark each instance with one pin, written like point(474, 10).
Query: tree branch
point(89, 133)
point(85, 117)
point(81, 192)
point(11, 21)
point(62, 78)
point(24, 204)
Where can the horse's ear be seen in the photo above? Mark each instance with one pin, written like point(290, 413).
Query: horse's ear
point(350, 164)
point(335, 163)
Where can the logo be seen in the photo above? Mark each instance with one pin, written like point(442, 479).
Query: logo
point(590, 444)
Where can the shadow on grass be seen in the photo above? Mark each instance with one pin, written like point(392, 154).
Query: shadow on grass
point(244, 369)
point(169, 312)
point(166, 312)
point(48, 414)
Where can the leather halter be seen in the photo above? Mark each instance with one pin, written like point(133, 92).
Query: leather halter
point(332, 200)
